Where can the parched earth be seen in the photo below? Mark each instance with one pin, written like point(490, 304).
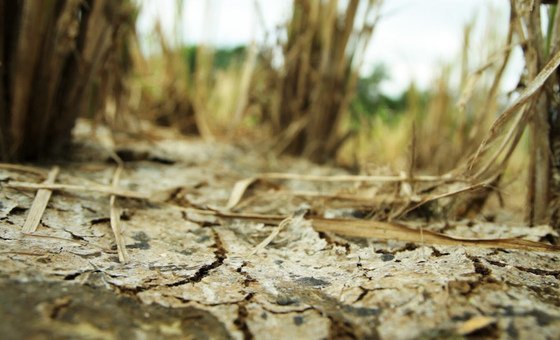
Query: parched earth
point(195, 275)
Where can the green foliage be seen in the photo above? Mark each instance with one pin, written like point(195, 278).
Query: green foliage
point(371, 102)
point(223, 57)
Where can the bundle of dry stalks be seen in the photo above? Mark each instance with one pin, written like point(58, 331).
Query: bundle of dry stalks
point(465, 124)
point(58, 59)
point(536, 108)
point(322, 55)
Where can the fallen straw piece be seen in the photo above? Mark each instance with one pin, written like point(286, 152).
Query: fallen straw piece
point(39, 204)
point(23, 168)
point(347, 227)
point(271, 237)
point(238, 191)
point(294, 218)
point(115, 215)
point(356, 178)
point(387, 231)
point(400, 232)
point(241, 186)
point(104, 189)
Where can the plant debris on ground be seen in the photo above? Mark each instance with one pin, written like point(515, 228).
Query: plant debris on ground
point(317, 275)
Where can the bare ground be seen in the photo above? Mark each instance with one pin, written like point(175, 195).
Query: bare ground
point(193, 275)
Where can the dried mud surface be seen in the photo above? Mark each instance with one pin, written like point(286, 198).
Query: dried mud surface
point(193, 275)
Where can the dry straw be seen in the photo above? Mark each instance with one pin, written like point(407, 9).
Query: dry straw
point(348, 227)
point(534, 110)
point(39, 204)
point(58, 59)
point(323, 53)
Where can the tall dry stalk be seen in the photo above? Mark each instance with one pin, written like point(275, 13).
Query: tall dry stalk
point(324, 50)
point(541, 46)
point(53, 55)
point(536, 109)
point(461, 116)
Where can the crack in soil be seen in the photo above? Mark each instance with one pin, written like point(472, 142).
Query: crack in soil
point(292, 311)
point(220, 253)
point(362, 294)
point(332, 243)
point(484, 278)
point(74, 276)
point(496, 263)
point(248, 278)
point(216, 304)
point(537, 271)
point(241, 321)
point(341, 329)
point(407, 247)
point(59, 306)
point(479, 267)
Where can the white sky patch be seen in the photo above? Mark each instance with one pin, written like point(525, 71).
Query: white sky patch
point(412, 40)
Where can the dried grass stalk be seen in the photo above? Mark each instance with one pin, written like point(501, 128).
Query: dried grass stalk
point(115, 214)
point(52, 55)
point(535, 109)
point(322, 55)
point(104, 189)
point(272, 235)
point(386, 231)
point(39, 204)
point(461, 123)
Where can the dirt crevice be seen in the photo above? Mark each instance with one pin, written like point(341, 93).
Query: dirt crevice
point(362, 294)
point(74, 276)
point(407, 247)
point(334, 243)
point(542, 272)
point(293, 311)
point(479, 267)
point(216, 304)
point(221, 255)
point(341, 329)
point(241, 321)
point(248, 278)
